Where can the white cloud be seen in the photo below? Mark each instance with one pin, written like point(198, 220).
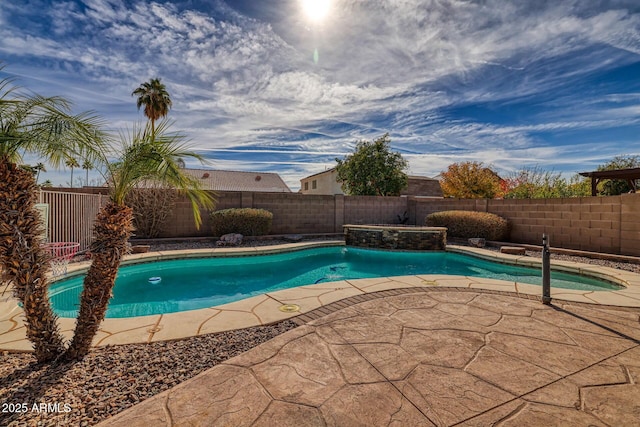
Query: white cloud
point(402, 66)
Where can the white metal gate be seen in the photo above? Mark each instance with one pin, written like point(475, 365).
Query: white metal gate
point(70, 216)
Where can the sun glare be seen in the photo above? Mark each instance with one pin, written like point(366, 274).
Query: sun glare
point(316, 10)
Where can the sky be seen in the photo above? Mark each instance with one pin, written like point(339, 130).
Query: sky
point(287, 86)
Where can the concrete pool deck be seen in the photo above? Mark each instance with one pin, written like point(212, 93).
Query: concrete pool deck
point(272, 307)
point(422, 357)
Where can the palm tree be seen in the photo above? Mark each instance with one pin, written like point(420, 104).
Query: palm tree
point(155, 98)
point(87, 166)
point(71, 163)
point(45, 127)
point(40, 167)
point(146, 155)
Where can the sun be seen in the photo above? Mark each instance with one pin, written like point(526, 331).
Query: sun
point(315, 10)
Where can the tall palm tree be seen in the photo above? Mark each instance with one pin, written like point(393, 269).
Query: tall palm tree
point(87, 166)
point(40, 167)
point(45, 127)
point(71, 163)
point(155, 98)
point(145, 156)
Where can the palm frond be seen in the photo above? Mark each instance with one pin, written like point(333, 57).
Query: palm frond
point(156, 156)
point(45, 126)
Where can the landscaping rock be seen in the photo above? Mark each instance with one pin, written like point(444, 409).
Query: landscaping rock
point(232, 239)
point(477, 242)
point(111, 379)
point(512, 250)
point(294, 238)
point(140, 249)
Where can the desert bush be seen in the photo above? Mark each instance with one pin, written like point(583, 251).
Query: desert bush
point(468, 224)
point(152, 207)
point(246, 221)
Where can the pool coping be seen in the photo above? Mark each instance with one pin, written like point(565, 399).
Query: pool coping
point(275, 306)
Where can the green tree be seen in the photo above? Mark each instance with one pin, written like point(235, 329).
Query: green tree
point(43, 126)
point(155, 98)
point(145, 156)
point(613, 187)
point(470, 180)
point(373, 169)
point(535, 183)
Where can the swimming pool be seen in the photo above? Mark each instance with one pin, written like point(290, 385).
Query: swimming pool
point(189, 284)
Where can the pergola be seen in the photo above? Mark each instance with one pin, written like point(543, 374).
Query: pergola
point(630, 175)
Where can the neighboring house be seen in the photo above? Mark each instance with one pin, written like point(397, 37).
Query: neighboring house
point(326, 183)
point(321, 183)
point(217, 180)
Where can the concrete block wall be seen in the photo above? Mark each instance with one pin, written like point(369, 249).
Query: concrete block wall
point(297, 213)
point(373, 210)
point(630, 224)
point(600, 224)
point(182, 224)
point(586, 223)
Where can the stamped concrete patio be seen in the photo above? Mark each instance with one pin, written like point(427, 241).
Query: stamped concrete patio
point(420, 357)
point(411, 350)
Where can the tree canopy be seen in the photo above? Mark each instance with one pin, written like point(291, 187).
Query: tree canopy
point(373, 169)
point(535, 183)
point(155, 98)
point(615, 187)
point(470, 180)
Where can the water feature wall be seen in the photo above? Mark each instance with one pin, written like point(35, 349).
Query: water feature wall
point(396, 237)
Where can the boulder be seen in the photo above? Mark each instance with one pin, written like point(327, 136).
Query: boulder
point(231, 239)
point(477, 242)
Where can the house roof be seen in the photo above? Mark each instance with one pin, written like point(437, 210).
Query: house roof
point(319, 173)
point(422, 186)
point(420, 177)
point(219, 180)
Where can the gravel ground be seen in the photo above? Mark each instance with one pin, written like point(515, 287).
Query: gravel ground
point(635, 268)
point(112, 379)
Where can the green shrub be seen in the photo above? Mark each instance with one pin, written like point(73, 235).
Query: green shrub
point(468, 224)
point(246, 221)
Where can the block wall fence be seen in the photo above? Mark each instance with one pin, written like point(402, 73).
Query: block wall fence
point(601, 224)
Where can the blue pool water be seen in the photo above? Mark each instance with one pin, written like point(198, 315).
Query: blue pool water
point(190, 284)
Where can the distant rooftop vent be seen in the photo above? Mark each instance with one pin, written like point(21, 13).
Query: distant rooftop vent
point(205, 175)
